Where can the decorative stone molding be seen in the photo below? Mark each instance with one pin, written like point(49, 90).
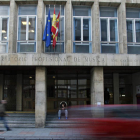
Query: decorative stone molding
point(69, 59)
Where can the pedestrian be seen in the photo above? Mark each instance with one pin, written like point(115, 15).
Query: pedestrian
point(106, 96)
point(63, 109)
point(3, 114)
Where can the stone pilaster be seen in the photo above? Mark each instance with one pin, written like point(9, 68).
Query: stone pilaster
point(96, 28)
point(40, 25)
point(122, 31)
point(1, 86)
point(97, 86)
point(68, 27)
point(19, 93)
point(13, 26)
point(116, 87)
point(40, 97)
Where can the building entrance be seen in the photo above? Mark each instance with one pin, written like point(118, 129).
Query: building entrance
point(28, 93)
point(9, 91)
point(72, 87)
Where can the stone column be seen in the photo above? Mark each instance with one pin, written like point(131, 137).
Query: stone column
point(40, 97)
point(96, 28)
point(1, 86)
point(97, 86)
point(122, 28)
point(116, 87)
point(40, 25)
point(68, 27)
point(19, 93)
point(13, 26)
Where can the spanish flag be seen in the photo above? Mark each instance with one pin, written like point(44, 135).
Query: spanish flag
point(56, 32)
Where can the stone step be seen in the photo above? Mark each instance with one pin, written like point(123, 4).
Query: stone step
point(48, 124)
point(19, 122)
point(64, 125)
point(24, 120)
point(21, 115)
point(19, 125)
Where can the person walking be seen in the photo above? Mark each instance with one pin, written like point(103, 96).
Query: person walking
point(3, 114)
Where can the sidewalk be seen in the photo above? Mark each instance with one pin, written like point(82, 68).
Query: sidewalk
point(52, 134)
point(44, 134)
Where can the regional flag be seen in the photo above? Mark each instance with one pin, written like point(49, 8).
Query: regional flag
point(47, 31)
point(53, 29)
point(56, 32)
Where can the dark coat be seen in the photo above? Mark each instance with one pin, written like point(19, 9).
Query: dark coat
point(106, 95)
point(2, 110)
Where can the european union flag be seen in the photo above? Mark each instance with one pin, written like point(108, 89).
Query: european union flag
point(47, 31)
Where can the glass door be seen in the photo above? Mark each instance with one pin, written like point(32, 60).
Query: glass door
point(10, 92)
point(28, 93)
point(71, 88)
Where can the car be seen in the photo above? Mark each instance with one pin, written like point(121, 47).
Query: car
point(112, 121)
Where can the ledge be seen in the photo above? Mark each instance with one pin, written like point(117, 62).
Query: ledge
point(26, 1)
point(133, 1)
point(4, 2)
point(111, 4)
point(133, 5)
point(58, 2)
point(81, 2)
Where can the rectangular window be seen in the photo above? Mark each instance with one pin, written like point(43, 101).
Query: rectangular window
point(59, 48)
point(109, 30)
point(26, 40)
point(4, 24)
point(82, 30)
point(133, 30)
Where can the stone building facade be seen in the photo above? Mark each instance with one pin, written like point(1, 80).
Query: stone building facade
point(98, 47)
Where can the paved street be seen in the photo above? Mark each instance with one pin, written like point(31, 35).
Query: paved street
point(52, 134)
point(44, 133)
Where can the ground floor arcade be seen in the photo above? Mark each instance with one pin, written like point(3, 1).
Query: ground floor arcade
point(41, 89)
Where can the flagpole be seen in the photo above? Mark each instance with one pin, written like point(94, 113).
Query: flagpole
point(60, 26)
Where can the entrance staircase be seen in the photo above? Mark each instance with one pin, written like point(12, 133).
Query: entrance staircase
point(20, 120)
point(27, 120)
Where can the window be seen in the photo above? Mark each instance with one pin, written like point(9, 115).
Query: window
point(133, 30)
point(4, 23)
point(109, 30)
point(26, 41)
point(59, 48)
point(82, 30)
